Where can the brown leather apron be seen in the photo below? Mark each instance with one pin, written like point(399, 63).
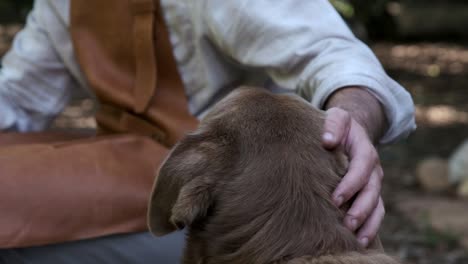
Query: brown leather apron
point(63, 187)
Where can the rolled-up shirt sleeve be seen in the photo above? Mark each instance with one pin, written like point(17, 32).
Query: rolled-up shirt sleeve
point(34, 83)
point(304, 46)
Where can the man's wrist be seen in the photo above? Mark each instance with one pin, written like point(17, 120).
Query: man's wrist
point(363, 107)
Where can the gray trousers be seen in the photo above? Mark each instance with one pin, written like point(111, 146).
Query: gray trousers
point(139, 248)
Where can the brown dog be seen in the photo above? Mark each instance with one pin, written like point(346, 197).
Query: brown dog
point(253, 185)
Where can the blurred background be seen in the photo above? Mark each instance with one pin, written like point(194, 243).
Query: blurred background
point(423, 44)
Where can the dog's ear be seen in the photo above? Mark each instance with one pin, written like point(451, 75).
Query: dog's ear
point(181, 192)
point(193, 202)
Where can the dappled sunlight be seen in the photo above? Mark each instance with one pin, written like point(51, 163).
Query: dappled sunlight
point(79, 115)
point(428, 59)
point(440, 115)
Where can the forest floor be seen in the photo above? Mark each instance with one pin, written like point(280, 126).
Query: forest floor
point(436, 75)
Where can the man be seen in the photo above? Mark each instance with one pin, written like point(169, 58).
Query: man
point(67, 193)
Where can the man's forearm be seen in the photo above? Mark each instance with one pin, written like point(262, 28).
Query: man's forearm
point(363, 107)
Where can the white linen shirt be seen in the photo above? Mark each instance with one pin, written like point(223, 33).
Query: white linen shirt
point(296, 46)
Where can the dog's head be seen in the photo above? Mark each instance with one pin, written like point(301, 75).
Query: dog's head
point(253, 184)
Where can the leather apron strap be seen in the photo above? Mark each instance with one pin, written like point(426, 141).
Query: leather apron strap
point(135, 78)
point(145, 57)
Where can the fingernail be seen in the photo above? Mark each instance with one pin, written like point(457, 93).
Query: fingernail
point(364, 241)
point(338, 200)
point(351, 223)
point(328, 137)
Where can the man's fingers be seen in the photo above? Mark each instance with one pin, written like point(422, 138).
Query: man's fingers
point(365, 202)
point(336, 126)
point(363, 177)
point(360, 168)
point(369, 230)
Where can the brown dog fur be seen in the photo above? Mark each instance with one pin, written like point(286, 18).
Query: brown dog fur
point(253, 185)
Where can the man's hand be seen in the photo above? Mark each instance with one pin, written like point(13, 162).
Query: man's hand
point(354, 121)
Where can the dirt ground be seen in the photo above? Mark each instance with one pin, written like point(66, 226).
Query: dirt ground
point(436, 74)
